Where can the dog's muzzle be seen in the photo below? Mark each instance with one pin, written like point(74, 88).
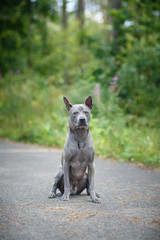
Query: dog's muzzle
point(82, 121)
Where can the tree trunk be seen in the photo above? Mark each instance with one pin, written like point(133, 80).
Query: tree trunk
point(29, 34)
point(80, 12)
point(64, 14)
point(115, 4)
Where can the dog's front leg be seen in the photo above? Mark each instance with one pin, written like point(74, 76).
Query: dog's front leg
point(91, 183)
point(65, 196)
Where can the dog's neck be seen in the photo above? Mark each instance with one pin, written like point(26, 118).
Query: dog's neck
point(80, 134)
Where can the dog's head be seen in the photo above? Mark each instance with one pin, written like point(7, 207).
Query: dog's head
point(79, 114)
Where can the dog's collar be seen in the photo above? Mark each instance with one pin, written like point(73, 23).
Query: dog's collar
point(81, 145)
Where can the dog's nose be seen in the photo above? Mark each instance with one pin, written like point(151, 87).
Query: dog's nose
point(82, 120)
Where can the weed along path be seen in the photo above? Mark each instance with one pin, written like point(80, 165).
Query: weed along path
point(129, 209)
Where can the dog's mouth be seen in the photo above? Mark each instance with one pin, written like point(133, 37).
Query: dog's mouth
point(81, 125)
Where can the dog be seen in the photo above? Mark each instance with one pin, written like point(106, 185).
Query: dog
point(77, 168)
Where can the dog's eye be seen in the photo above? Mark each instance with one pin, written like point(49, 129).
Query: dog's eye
point(75, 113)
point(86, 113)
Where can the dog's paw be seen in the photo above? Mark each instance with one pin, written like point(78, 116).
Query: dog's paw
point(52, 195)
point(65, 197)
point(94, 196)
point(96, 200)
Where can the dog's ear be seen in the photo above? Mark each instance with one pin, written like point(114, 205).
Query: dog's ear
point(88, 102)
point(67, 103)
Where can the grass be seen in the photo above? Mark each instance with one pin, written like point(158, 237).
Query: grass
point(32, 110)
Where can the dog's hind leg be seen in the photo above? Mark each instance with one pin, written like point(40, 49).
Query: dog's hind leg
point(57, 180)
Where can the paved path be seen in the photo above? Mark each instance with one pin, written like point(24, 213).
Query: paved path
point(129, 206)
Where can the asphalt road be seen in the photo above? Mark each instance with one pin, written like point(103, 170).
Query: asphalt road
point(129, 209)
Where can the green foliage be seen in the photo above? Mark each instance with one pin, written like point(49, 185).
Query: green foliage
point(139, 76)
point(31, 110)
point(138, 58)
point(20, 23)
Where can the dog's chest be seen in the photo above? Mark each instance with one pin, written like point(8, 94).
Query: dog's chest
point(80, 156)
point(83, 151)
point(78, 164)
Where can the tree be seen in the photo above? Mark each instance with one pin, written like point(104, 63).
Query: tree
point(64, 14)
point(80, 12)
point(19, 22)
point(114, 6)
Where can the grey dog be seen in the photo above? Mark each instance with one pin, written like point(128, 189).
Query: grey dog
point(76, 172)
